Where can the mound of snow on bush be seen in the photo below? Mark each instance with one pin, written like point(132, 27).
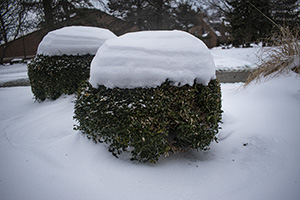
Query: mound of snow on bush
point(148, 58)
point(74, 40)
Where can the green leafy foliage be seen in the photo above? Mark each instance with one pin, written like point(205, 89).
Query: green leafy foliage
point(52, 76)
point(150, 122)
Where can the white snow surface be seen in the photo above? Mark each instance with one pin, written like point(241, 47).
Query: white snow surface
point(237, 58)
point(148, 58)
point(13, 72)
point(257, 157)
point(74, 40)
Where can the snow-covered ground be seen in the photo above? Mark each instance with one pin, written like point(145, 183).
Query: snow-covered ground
point(13, 72)
point(236, 58)
point(42, 157)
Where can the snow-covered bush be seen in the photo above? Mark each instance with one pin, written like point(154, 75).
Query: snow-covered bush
point(151, 93)
point(63, 60)
point(52, 76)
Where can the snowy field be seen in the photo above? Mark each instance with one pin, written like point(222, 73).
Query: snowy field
point(42, 157)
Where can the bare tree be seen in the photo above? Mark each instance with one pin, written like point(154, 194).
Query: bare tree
point(53, 11)
point(12, 19)
point(18, 17)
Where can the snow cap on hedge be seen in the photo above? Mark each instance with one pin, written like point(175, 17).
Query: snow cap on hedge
point(148, 58)
point(74, 40)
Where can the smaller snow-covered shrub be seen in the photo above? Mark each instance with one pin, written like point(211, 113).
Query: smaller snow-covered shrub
point(63, 60)
point(150, 122)
point(52, 76)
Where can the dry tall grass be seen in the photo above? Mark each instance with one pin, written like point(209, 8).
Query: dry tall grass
point(283, 57)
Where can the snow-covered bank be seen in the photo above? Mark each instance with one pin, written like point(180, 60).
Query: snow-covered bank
point(236, 58)
point(256, 157)
point(13, 72)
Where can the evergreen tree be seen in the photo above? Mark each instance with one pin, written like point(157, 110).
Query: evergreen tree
point(146, 14)
point(286, 12)
point(155, 14)
point(132, 11)
point(248, 20)
point(185, 16)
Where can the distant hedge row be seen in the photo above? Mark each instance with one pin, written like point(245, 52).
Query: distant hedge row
point(150, 122)
point(52, 76)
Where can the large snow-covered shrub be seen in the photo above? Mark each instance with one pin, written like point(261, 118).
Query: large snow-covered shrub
point(63, 60)
point(151, 93)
